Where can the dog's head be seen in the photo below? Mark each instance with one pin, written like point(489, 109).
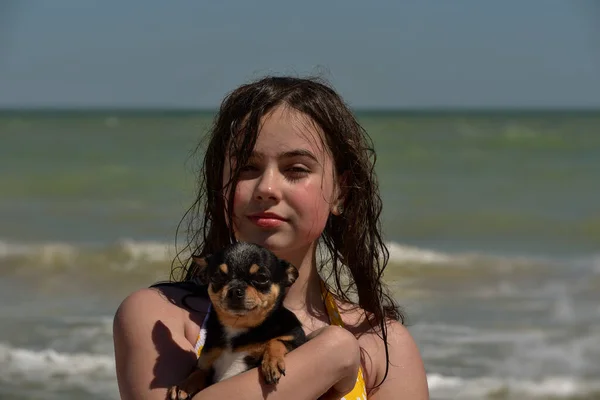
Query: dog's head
point(246, 282)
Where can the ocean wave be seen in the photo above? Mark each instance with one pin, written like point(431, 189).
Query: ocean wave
point(95, 373)
point(92, 373)
point(49, 364)
point(135, 251)
point(58, 253)
point(410, 255)
point(524, 351)
point(553, 387)
point(403, 253)
point(122, 257)
point(154, 260)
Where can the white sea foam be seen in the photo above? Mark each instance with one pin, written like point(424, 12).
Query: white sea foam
point(451, 387)
point(93, 373)
point(157, 251)
point(47, 363)
point(402, 253)
point(150, 251)
point(160, 251)
point(48, 252)
point(96, 373)
point(124, 255)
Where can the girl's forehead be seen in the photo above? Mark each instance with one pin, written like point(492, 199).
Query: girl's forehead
point(288, 129)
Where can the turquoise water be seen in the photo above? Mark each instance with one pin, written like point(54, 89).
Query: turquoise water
point(505, 183)
point(493, 222)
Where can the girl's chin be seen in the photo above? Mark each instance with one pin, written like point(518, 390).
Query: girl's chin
point(271, 242)
point(276, 246)
point(281, 246)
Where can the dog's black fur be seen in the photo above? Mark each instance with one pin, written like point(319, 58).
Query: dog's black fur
point(247, 325)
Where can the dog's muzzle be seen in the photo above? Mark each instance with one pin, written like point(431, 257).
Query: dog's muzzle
point(236, 298)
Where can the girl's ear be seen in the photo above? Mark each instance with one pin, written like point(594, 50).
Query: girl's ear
point(340, 194)
point(201, 265)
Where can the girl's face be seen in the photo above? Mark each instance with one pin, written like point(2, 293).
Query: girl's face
point(287, 189)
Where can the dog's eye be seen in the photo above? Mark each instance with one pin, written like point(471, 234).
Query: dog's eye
point(261, 279)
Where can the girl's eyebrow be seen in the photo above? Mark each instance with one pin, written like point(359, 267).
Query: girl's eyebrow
point(289, 154)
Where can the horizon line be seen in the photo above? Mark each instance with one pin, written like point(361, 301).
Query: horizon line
point(358, 110)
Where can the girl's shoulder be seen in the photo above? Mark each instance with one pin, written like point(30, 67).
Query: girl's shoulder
point(401, 347)
point(154, 336)
point(181, 295)
point(185, 295)
point(165, 302)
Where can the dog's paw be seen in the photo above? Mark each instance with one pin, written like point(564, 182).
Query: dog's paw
point(189, 387)
point(176, 393)
point(273, 367)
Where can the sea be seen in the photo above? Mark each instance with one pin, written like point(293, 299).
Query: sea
point(492, 220)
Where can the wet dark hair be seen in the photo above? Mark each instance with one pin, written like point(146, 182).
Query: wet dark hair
point(352, 241)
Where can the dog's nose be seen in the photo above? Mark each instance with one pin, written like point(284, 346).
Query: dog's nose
point(236, 293)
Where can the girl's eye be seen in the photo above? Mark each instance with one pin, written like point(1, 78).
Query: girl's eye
point(261, 279)
point(295, 173)
point(248, 171)
point(298, 169)
point(246, 168)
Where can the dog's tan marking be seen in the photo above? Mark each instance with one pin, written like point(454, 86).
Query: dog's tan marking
point(227, 318)
point(254, 349)
point(273, 364)
point(207, 358)
point(258, 305)
point(264, 304)
point(267, 300)
point(272, 354)
point(285, 338)
point(254, 269)
point(223, 268)
point(196, 381)
point(257, 349)
point(252, 296)
point(292, 274)
point(218, 297)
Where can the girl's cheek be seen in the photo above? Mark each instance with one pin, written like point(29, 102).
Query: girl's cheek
point(239, 197)
point(236, 204)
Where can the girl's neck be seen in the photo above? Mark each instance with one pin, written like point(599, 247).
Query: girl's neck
point(305, 293)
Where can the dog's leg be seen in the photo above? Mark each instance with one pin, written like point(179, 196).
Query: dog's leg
point(196, 381)
point(273, 364)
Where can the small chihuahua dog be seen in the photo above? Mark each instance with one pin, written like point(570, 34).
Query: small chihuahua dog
point(247, 325)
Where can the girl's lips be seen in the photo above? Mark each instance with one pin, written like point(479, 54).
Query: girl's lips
point(267, 220)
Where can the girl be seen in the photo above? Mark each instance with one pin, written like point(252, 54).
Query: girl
point(287, 167)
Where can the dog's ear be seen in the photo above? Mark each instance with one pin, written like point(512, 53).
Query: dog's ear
point(291, 272)
point(200, 264)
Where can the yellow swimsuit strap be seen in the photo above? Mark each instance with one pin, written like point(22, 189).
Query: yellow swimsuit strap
point(359, 392)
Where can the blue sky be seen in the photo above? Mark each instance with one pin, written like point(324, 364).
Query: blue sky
point(390, 54)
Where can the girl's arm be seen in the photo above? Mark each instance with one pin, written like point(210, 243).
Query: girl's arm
point(152, 353)
point(406, 377)
point(329, 360)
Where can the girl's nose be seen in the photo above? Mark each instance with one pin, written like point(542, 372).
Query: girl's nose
point(268, 187)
